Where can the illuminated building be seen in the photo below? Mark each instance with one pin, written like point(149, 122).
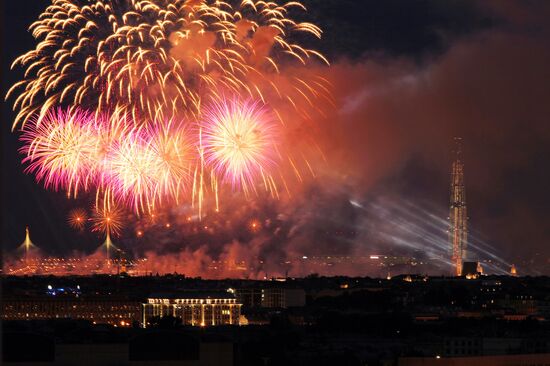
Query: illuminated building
point(470, 270)
point(479, 268)
point(117, 312)
point(458, 219)
point(193, 308)
point(513, 271)
point(522, 303)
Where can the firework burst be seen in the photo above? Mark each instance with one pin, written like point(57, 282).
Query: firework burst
point(172, 151)
point(107, 220)
point(76, 150)
point(61, 150)
point(149, 166)
point(77, 218)
point(152, 58)
point(238, 140)
point(143, 74)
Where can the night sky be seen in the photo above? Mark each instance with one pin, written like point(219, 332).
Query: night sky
point(408, 76)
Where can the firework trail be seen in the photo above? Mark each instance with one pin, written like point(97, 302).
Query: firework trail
point(155, 58)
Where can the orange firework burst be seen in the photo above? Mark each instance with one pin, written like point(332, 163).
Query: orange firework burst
point(155, 58)
point(255, 225)
point(77, 218)
point(107, 220)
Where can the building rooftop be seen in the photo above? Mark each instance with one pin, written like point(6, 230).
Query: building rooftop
point(192, 295)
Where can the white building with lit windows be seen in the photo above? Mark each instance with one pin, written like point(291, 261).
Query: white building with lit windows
point(194, 308)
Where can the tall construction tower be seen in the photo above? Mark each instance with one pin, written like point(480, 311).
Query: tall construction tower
point(458, 219)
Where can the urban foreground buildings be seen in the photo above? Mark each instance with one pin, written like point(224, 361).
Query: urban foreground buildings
point(174, 320)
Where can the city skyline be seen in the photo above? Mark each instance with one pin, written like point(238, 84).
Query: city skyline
point(275, 183)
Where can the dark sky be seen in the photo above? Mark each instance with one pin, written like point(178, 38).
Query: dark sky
point(23, 202)
point(408, 75)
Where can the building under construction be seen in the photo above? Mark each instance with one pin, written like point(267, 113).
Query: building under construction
point(458, 218)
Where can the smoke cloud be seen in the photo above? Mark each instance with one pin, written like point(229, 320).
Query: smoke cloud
point(382, 161)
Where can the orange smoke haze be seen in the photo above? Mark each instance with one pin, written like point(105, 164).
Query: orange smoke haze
point(384, 132)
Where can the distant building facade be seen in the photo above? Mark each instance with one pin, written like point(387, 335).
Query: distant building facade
point(117, 312)
point(193, 308)
point(471, 269)
point(271, 297)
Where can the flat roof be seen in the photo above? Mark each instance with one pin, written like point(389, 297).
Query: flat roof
point(192, 295)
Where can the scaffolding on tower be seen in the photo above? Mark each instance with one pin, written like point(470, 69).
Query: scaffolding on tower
point(458, 219)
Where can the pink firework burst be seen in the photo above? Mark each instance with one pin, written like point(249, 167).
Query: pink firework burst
point(149, 166)
point(61, 150)
point(238, 141)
